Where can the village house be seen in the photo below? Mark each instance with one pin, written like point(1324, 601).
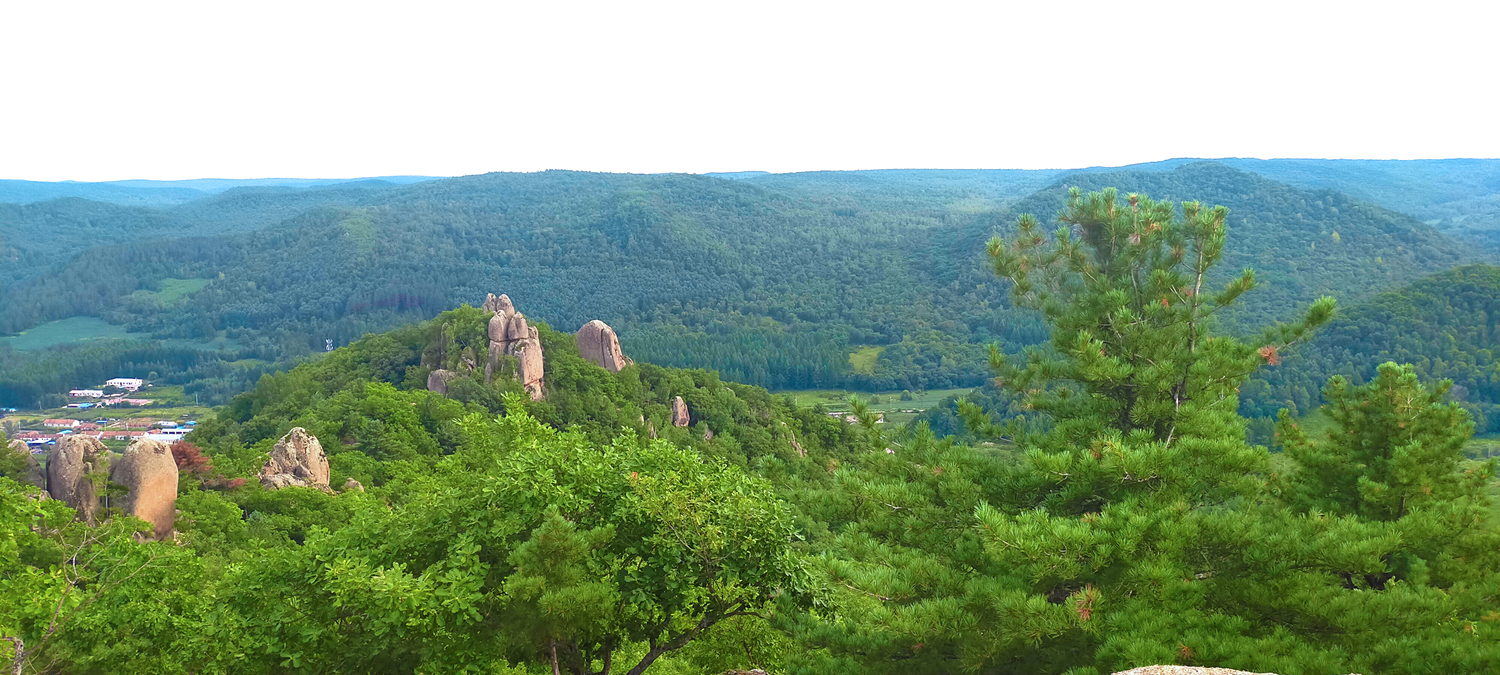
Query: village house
point(61, 424)
point(126, 383)
point(120, 434)
point(87, 393)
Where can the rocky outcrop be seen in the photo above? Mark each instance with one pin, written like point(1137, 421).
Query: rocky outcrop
point(437, 381)
point(494, 305)
point(679, 412)
point(511, 336)
point(149, 474)
point(296, 460)
point(599, 344)
point(72, 468)
point(792, 437)
point(353, 485)
point(31, 472)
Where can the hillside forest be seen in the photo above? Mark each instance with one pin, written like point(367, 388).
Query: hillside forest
point(1099, 505)
point(870, 281)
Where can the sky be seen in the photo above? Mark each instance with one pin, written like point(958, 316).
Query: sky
point(161, 90)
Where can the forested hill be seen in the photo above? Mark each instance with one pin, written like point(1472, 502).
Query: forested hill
point(767, 286)
point(37, 238)
point(1447, 325)
point(1301, 243)
point(773, 279)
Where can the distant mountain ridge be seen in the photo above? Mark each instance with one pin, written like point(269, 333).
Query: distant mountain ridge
point(159, 193)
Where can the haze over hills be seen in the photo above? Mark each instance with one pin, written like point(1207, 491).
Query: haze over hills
point(773, 279)
point(164, 192)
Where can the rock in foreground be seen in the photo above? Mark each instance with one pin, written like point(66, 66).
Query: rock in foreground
point(31, 474)
point(69, 469)
point(149, 473)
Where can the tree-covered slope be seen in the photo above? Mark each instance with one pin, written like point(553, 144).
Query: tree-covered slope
point(771, 279)
point(488, 532)
point(1446, 324)
point(1302, 244)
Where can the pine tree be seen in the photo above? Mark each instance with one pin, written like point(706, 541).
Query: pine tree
point(1395, 446)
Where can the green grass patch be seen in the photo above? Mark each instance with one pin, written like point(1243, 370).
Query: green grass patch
point(360, 231)
point(863, 359)
point(69, 330)
point(897, 412)
point(172, 290)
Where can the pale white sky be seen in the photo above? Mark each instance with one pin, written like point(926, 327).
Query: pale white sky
point(116, 90)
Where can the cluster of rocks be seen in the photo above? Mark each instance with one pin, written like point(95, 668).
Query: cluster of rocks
point(80, 467)
point(511, 336)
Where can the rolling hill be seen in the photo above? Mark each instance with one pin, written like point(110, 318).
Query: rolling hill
point(772, 279)
point(1446, 324)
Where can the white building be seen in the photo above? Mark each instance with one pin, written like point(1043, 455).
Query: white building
point(86, 393)
point(168, 435)
point(126, 383)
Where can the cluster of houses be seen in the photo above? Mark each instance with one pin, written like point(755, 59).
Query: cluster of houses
point(163, 430)
point(100, 399)
point(115, 392)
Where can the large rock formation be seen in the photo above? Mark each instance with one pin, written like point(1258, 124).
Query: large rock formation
point(437, 381)
point(296, 460)
point(598, 343)
point(679, 412)
point(31, 472)
point(149, 474)
point(72, 468)
point(511, 336)
point(494, 305)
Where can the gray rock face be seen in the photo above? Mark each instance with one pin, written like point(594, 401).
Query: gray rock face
point(679, 412)
point(71, 470)
point(511, 336)
point(599, 344)
point(296, 460)
point(32, 473)
point(437, 381)
point(148, 471)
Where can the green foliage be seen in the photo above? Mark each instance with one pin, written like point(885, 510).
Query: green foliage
point(1444, 325)
point(772, 281)
point(527, 544)
point(1394, 447)
point(1137, 526)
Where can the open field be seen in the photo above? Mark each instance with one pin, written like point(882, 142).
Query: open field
point(863, 359)
point(64, 331)
point(77, 329)
point(897, 412)
point(173, 290)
